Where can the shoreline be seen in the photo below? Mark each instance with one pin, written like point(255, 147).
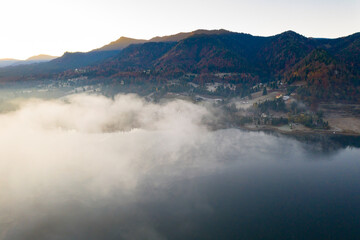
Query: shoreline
point(297, 131)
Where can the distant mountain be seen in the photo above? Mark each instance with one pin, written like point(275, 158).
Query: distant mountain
point(282, 51)
point(34, 59)
point(324, 77)
point(347, 49)
point(331, 64)
point(136, 57)
point(180, 36)
point(124, 42)
point(8, 62)
point(79, 59)
point(48, 69)
point(41, 57)
point(120, 44)
point(203, 53)
point(220, 51)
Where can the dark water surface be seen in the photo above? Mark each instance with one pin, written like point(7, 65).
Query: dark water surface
point(281, 190)
point(244, 185)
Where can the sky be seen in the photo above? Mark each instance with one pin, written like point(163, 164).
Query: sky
point(32, 27)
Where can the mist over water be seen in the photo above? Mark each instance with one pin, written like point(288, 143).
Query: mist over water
point(90, 167)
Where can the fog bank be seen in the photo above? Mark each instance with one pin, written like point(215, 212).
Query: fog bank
point(67, 165)
point(90, 167)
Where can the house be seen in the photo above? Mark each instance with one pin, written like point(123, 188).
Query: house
point(285, 98)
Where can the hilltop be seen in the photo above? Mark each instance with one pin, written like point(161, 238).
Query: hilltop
point(324, 68)
point(41, 57)
point(6, 62)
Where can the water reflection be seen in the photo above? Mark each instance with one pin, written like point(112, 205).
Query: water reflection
point(323, 143)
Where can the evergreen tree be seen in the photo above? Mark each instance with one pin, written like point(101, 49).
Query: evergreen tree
point(264, 91)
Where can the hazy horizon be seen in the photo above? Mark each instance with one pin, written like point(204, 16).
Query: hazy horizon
point(59, 26)
point(38, 54)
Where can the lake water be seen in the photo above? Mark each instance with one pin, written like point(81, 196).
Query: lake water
point(275, 188)
point(94, 168)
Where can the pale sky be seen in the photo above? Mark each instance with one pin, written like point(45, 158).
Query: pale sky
point(31, 27)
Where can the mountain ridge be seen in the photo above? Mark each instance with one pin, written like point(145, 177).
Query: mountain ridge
point(209, 52)
point(6, 62)
point(41, 57)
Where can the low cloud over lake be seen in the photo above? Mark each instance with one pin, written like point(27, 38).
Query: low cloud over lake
point(90, 167)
